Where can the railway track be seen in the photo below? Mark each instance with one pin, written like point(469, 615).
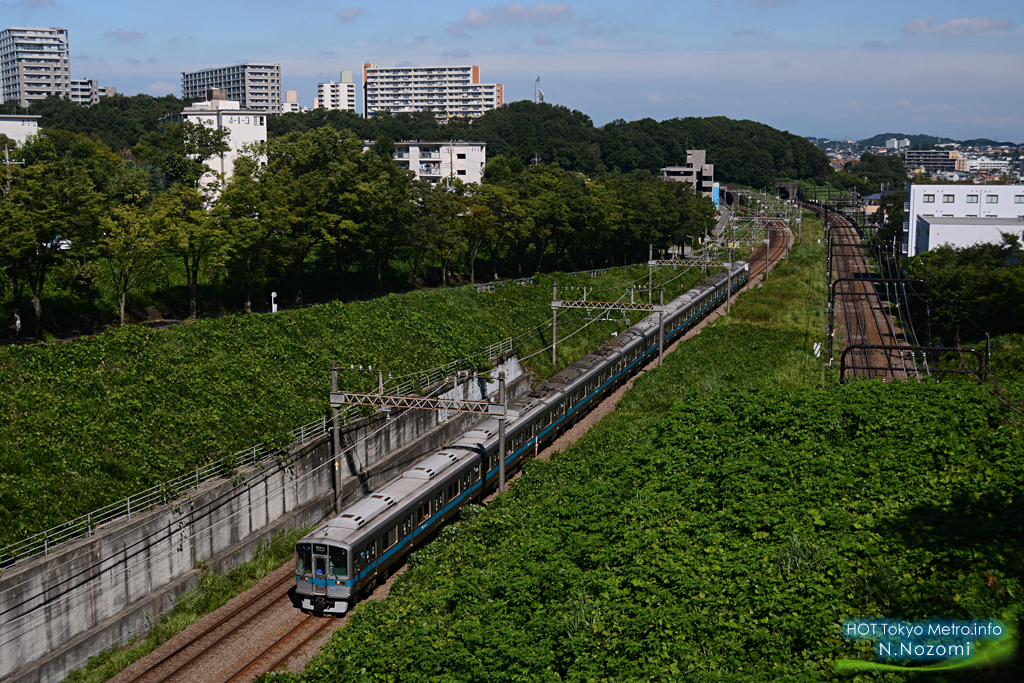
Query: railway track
point(862, 316)
point(212, 653)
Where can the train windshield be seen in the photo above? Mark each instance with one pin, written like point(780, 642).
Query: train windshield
point(303, 558)
point(339, 562)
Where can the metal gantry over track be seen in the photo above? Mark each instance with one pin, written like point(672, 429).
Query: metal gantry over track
point(413, 402)
point(606, 306)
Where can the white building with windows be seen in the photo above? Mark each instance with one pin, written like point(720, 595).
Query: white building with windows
point(18, 127)
point(338, 96)
point(256, 87)
point(434, 161)
point(961, 215)
point(88, 91)
point(35, 62)
point(244, 127)
point(445, 91)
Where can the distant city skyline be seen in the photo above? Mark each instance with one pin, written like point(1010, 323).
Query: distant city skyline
point(823, 69)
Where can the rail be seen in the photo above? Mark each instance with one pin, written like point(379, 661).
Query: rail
point(844, 366)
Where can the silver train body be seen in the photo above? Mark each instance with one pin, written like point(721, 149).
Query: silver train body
point(345, 557)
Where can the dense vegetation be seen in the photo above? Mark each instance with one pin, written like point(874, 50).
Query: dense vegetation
point(744, 152)
point(974, 290)
point(89, 422)
point(871, 172)
point(83, 231)
point(719, 525)
point(118, 121)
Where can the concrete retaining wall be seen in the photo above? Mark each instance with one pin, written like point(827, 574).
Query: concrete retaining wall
point(57, 611)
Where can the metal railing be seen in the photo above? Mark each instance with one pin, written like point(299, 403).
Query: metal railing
point(85, 526)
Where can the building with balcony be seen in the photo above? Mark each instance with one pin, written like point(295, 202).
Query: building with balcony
point(256, 87)
point(434, 161)
point(930, 160)
point(338, 96)
point(697, 172)
point(445, 91)
point(88, 91)
point(961, 215)
point(35, 62)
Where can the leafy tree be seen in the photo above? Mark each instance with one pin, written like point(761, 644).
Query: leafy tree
point(318, 172)
point(59, 203)
point(129, 247)
point(185, 228)
point(181, 150)
point(253, 211)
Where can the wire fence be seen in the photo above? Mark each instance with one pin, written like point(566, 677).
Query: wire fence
point(40, 544)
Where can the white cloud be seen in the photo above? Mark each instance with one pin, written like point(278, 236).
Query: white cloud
point(545, 39)
point(161, 88)
point(540, 14)
point(459, 53)
point(964, 26)
point(122, 36)
point(350, 14)
point(902, 102)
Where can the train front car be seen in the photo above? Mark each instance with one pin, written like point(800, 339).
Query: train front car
point(321, 576)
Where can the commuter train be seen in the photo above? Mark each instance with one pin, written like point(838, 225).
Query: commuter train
point(344, 558)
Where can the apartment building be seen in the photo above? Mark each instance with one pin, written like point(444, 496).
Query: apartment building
point(35, 63)
point(961, 215)
point(433, 161)
point(88, 91)
point(697, 172)
point(256, 87)
point(930, 160)
point(445, 91)
point(338, 96)
point(244, 126)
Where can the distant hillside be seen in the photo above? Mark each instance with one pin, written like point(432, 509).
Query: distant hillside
point(745, 152)
point(915, 140)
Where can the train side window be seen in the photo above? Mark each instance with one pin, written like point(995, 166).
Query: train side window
point(467, 480)
point(476, 473)
point(371, 551)
point(439, 502)
point(361, 560)
point(406, 526)
point(391, 538)
point(338, 562)
point(453, 490)
point(423, 512)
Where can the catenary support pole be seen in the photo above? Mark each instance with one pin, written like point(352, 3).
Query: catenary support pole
point(650, 271)
point(661, 329)
point(336, 433)
point(501, 433)
point(554, 325)
point(728, 286)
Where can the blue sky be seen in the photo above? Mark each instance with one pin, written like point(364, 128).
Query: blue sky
point(813, 67)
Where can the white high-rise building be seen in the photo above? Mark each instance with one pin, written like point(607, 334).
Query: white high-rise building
point(88, 91)
point(34, 64)
point(445, 91)
point(434, 161)
point(253, 86)
point(339, 96)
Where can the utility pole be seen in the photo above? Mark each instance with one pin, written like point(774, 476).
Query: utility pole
point(501, 432)
point(336, 440)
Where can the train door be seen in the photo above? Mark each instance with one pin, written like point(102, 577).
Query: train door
point(319, 569)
